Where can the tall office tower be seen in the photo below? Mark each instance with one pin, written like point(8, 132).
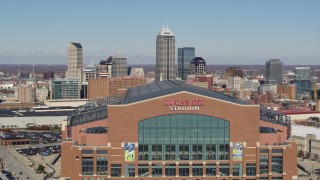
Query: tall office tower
point(165, 55)
point(274, 70)
point(198, 66)
point(65, 89)
point(233, 72)
point(185, 55)
point(119, 66)
point(302, 73)
point(75, 60)
point(104, 68)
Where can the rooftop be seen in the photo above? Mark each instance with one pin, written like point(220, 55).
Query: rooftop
point(160, 88)
point(77, 45)
point(299, 130)
point(197, 60)
point(295, 112)
point(166, 31)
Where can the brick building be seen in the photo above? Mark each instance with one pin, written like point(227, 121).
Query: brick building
point(170, 130)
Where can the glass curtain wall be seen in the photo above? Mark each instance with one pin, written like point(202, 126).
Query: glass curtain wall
point(184, 137)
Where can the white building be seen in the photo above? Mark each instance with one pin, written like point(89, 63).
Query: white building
point(251, 85)
point(137, 73)
point(268, 87)
point(9, 87)
point(165, 55)
point(42, 94)
point(236, 83)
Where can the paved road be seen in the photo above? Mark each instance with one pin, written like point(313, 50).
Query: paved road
point(15, 166)
point(2, 176)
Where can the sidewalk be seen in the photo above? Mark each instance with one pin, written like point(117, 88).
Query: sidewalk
point(2, 176)
point(309, 166)
point(24, 162)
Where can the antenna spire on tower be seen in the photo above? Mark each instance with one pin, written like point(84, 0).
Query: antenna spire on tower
point(167, 24)
point(33, 71)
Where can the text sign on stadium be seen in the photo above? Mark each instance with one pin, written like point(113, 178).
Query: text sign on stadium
point(184, 104)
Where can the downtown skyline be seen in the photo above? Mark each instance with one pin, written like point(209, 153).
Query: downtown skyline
point(246, 32)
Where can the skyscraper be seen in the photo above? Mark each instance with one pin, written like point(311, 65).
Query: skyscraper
point(185, 55)
point(165, 55)
point(274, 70)
point(198, 66)
point(302, 73)
point(119, 66)
point(75, 60)
point(233, 72)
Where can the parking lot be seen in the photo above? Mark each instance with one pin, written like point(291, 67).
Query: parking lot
point(7, 174)
point(38, 150)
point(35, 137)
point(22, 160)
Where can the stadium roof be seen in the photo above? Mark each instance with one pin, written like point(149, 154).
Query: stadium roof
point(160, 88)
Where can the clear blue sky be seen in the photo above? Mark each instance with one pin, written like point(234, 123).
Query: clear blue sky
point(223, 32)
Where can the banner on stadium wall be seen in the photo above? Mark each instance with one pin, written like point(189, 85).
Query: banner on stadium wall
point(129, 152)
point(237, 151)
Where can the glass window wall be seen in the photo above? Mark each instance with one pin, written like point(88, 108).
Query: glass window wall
point(129, 170)
point(170, 169)
point(251, 169)
point(184, 137)
point(276, 164)
point(197, 169)
point(263, 164)
point(184, 170)
point(143, 170)
point(224, 169)
point(237, 170)
point(87, 166)
point(115, 170)
point(102, 166)
point(211, 170)
point(156, 170)
point(170, 152)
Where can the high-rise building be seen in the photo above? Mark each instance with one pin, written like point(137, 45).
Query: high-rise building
point(201, 80)
point(302, 73)
point(236, 83)
point(104, 68)
point(75, 60)
point(304, 89)
point(104, 87)
point(316, 91)
point(47, 75)
point(198, 66)
point(288, 90)
point(274, 70)
point(89, 72)
point(119, 66)
point(252, 85)
point(42, 94)
point(233, 72)
point(65, 89)
point(26, 94)
point(185, 55)
point(165, 55)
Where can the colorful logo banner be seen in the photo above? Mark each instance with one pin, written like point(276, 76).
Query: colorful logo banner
point(237, 151)
point(129, 152)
